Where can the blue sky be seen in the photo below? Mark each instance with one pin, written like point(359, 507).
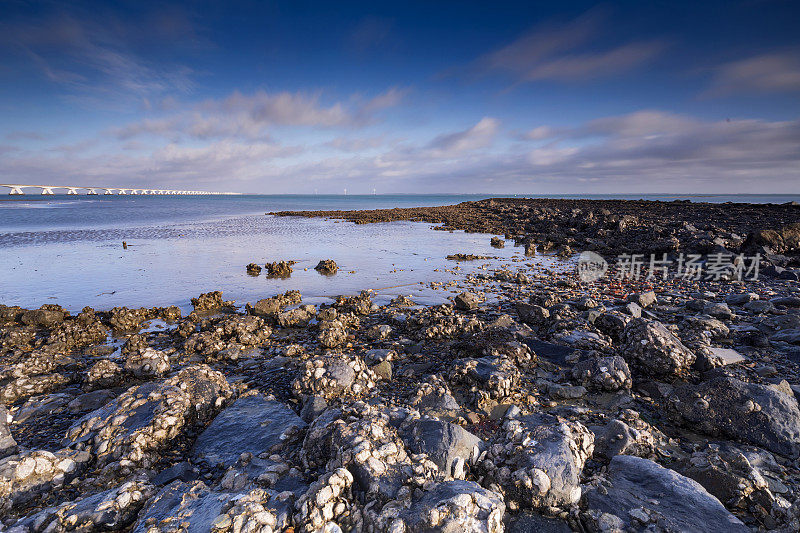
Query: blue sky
point(297, 97)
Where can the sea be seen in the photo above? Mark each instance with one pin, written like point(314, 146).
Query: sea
point(69, 250)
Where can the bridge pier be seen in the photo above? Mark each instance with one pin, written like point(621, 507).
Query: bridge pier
point(72, 191)
point(47, 190)
point(91, 192)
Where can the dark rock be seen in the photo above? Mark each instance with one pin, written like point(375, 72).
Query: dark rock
point(449, 446)
point(756, 414)
point(252, 425)
point(640, 495)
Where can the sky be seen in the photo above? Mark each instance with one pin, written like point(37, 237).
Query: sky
point(403, 97)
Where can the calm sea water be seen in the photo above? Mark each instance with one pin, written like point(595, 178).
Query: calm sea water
point(68, 250)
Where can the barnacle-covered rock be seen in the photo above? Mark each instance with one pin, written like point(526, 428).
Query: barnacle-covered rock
point(334, 375)
point(148, 363)
point(25, 387)
point(603, 373)
point(143, 420)
point(26, 476)
point(492, 377)
point(539, 460)
point(112, 509)
point(454, 505)
point(328, 502)
point(652, 349)
point(103, 374)
point(210, 301)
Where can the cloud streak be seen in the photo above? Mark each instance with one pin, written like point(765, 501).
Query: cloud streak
point(559, 53)
point(767, 73)
point(250, 116)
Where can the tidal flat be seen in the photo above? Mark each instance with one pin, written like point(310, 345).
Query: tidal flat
point(467, 374)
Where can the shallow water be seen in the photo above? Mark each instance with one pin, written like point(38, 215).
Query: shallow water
point(169, 266)
point(68, 250)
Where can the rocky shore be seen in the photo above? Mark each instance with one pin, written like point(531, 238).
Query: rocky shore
point(535, 401)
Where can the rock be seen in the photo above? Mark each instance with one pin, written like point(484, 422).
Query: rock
point(28, 475)
point(194, 505)
point(8, 446)
point(25, 387)
point(741, 298)
point(643, 299)
point(40, 406)
point(449, 446)
point(379, 332)
point(279, 269)
point(603, 373)
point(327, 504)
point(487, 377)
point(718, 310)
point(332, 337)
point(727, 473)
point(714, 357)
point(314, 406)
point(45, 317)
point(497, 242)
point(147, 364)
point(299, 317)
point(146, 418)
point(109, 510)
point(753, 413)
point(253, 424)
point(786, 301)
point(383, 370)
point(91, 401)
point(253, 269)
point(270, 307)
point(434, 398)
point(652, 349)
point(210, 301)
point(759, 306)
point(452, 506)
point(583, 339)
point(103, 374)
point(791, 336)
point(542, 459)
point(466, 301)
point(640, 495)
point(183, 471)
point(327, 267)
point(618, 438)
point(335, 375)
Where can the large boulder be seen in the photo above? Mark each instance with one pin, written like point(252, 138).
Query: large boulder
point(145, 419)
point(540, 460)
point(652, 349)
point(753, 413)
point(640, 495)
point(253, 425)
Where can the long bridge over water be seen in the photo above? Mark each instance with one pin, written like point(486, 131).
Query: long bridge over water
point(73, 189)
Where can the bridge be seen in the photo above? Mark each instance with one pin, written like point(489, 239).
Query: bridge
point(72, 189)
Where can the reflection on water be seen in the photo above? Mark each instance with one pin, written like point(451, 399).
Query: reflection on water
point(168, 265)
